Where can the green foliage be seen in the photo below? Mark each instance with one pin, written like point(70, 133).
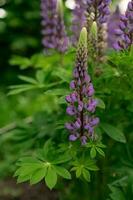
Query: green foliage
point(113, 132)
point(95, 148)
point(44, 166)
point(83, 167)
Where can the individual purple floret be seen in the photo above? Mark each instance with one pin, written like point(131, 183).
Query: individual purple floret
point(81, 104)
point(79, 19)
point(98, 10)
point(48, 13)
point(113, 24)
point(124, 32)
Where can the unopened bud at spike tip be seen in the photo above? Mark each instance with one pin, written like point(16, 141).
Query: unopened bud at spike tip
point(83, 37)
point(60, 8)
point(93, 30)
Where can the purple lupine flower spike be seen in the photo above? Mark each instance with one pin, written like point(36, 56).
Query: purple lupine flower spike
point(98, 12)
point(113, 24)
point(61, 36)
point(81, 104)
point(54, 34)
point(124, 32)
point(48, 14)
point(79, 20)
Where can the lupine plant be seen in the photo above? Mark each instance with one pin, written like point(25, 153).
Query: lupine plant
point(79, 20)
point(112, 25)
point(70, 120)
point(125, 29)
point(54, 34)
point(48, 13)
point(82, 105)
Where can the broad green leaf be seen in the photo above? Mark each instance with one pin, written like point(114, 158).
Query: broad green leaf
point(29, 169)
point(114, 132)
point(38, 175)
point(100, 151)
point(90, 165)
point(22, 179)
point(28, 79)
point(101, 145)
point(24, 88)
point(51, 177)
point(62, 172)
point(101, 103)
point(78, 171)
point(93, 152)
point(21, 61)
point(40, 76)
point(86, 175)
point(58, 92)
point(63, 74)
point(29, 160)
point(61, 159)
point(116, 193)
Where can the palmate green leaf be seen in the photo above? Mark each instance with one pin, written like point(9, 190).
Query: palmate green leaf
point(38, 175)
point(113, 132)
point(45, 165)
point(61, 171)
point(95, 147)
point(51, 177)
point(82, 168)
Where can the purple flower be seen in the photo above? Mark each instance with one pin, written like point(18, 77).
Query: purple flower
point(48, 14)
point(77, 124)
point(71, 110)
point(98, 10)
point(83, 140)
point(61, 36)
point(72, 85)
point(124, 32)
point(84, 122)
point(97, 14)
point(91, 105)
point(53, 28)
point(79, 19)
point(73, 137)
point(90, 90)
point(69, 126)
